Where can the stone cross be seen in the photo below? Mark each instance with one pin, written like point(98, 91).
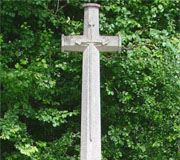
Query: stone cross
point(91, 43)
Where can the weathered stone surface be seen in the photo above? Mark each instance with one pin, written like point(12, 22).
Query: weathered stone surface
point(90, 113)
point(91, 43)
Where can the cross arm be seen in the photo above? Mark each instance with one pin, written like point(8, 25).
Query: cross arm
point(102, 43)
point(71, 43)
point(110, 44)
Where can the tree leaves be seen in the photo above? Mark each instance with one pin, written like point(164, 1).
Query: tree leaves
point(54, 116)
point(41, 86)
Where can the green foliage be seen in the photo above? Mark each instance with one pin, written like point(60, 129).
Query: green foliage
point(41, 86)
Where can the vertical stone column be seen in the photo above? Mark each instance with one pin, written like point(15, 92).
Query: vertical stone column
point(90, 112)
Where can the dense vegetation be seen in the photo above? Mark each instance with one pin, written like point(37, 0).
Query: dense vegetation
point(41, 85)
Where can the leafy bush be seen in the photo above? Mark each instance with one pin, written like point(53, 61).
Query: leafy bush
point(41, 86)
